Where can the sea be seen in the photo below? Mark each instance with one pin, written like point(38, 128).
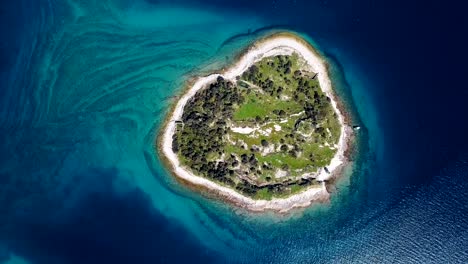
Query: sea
point(85, 86)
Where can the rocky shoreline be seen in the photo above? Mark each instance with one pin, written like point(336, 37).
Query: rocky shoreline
point(278, 44)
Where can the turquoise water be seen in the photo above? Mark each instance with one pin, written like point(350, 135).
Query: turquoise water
point(81, 182)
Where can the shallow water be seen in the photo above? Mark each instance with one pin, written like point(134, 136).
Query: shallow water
point(86, 85)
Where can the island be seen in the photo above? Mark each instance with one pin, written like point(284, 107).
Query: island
point(264, 134)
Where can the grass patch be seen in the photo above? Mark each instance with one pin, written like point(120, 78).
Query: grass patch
point(264, 194)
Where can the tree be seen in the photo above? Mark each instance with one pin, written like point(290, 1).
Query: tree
point(312, 157)
point(253, 69)
point(293, 153)
point(279, 90)
point(175, 145)
point(264, 143)
point(284, 147)
point(244, 158)
point(253, 160)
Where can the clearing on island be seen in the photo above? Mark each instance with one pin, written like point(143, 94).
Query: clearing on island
point(266, 133)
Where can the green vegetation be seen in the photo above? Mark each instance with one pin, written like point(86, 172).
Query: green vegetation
point(265, 134)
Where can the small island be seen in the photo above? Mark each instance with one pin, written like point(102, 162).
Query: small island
point(265, 134)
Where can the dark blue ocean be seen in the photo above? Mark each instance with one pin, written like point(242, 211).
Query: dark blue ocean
point(85, 85)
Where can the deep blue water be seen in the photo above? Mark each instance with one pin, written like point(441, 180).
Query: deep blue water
point(84, 86)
